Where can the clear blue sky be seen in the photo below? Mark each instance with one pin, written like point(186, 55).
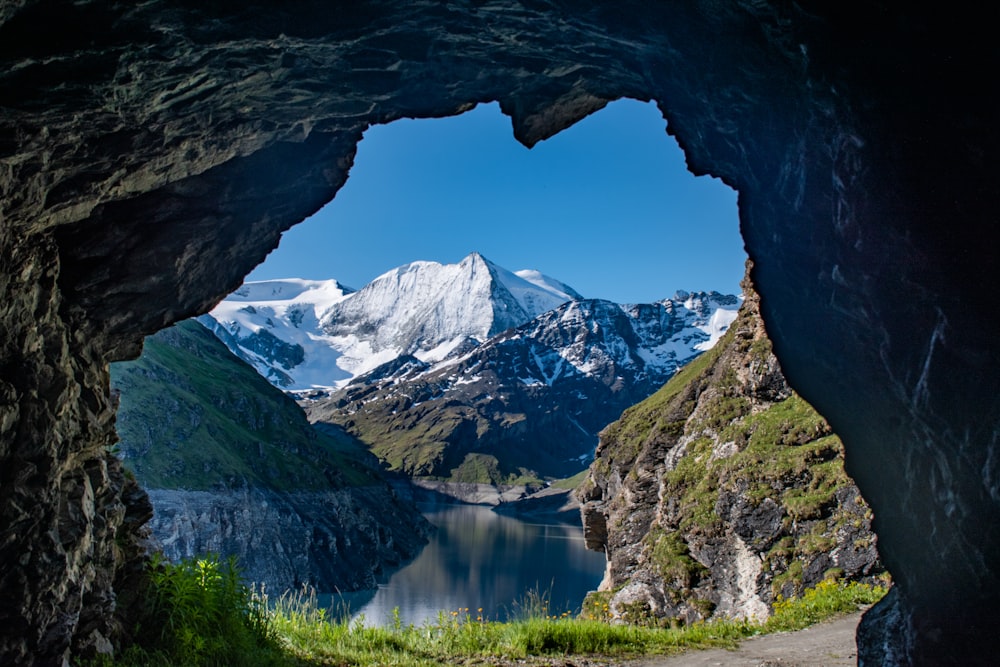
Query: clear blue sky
point(605, 206)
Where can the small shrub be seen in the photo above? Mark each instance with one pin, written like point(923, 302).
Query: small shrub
point(199, 612)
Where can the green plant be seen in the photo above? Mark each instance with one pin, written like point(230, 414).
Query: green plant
point(199, 612)
point(536, 603)
point(828, 598)
point(673, 560)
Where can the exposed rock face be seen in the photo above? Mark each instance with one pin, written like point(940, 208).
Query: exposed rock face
point(151, 154)
point(72, 524)
point(332, 541)
point(722, 491)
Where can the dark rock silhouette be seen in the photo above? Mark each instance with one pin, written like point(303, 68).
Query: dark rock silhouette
point(151, 155)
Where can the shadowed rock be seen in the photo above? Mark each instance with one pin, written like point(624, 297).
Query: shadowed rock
point(151, 155)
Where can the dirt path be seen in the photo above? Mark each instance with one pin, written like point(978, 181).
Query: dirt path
point(829, 644)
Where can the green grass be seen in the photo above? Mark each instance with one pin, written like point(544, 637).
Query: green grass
point(659, 413)
point(827, 599)
point(573, 482)
point(200, 614)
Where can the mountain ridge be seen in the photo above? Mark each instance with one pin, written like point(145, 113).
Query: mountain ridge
point(528, 403)
point(303, 335)
point(469, 372)
point(424, 309)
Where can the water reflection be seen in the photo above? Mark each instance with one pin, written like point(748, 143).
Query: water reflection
point(479, 559)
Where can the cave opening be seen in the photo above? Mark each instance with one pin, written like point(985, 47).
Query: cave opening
point(610, 194)
point(152, 160)
point(606, 206)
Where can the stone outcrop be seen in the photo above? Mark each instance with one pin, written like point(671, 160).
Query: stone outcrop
point(152, 153)
point(723, 491)
point(331, 541)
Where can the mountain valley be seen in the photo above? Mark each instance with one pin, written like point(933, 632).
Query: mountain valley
point(714, 490)
point(467, 373)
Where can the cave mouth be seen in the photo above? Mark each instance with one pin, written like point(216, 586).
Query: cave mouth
point(606, 206)
point(153, 154)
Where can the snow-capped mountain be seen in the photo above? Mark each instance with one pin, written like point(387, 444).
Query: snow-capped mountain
point(530, 401)
point(274, 325)
point(306, 334)
point(467, 371)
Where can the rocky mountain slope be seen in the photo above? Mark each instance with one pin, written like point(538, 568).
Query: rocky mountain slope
point(723, 490)
point(527, 403)
point(233, 467)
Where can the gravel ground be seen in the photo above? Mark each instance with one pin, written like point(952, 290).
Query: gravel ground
point(829, 644)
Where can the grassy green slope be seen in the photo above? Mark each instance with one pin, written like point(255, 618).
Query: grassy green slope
point(193, 416)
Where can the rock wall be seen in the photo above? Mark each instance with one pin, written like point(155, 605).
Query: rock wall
point(151, 154)
point(331, 541)
point(72, 522)
point(723, 491)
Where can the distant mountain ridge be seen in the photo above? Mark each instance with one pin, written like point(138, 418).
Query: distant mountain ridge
point(305, 334)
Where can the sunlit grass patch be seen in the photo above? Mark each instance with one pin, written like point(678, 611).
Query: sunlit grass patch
point(828, 598)
point(201, 614)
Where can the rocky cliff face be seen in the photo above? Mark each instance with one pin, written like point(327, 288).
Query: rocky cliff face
point(339, 540)
point(234, 468)
point(151, 154)
point(72, 526)
point(722, 491)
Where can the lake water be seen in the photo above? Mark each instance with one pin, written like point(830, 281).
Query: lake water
point(480, 559)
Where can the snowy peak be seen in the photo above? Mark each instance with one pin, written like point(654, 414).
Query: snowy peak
point(418, 307)
point(300, 303)
point(534, 292)
point(291, 290)
point(272, 324)
point(708, 312)
point(302, 334)
point(602, 338)
point(551, 284)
